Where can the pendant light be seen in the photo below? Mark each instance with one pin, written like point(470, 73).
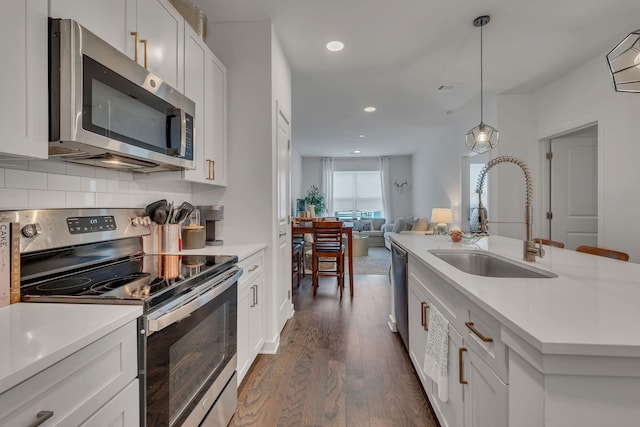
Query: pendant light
point(483, 137)
point(624, 63)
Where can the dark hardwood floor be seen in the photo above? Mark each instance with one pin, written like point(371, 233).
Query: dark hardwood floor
point(338, 365)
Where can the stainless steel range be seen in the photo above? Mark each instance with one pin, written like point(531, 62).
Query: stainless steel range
point(187, 334)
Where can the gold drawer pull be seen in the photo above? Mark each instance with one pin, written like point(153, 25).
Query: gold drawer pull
point(144, 42)
point(475, 331)
point(425, 314)
point(461, 351)
point(41, 417)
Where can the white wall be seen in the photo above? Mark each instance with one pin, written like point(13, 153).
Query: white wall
point(296, 178)
point(400, 169)
point(583, 96)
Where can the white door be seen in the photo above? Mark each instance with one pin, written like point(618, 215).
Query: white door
point(574, 190)
point(285, 306)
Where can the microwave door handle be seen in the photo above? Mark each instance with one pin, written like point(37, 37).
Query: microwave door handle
point(161, 321)
point(182, 149)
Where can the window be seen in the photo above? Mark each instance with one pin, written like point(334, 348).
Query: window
point(474, 174)
point(357, 193)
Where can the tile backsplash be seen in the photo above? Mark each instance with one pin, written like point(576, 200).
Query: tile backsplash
point(39, 184)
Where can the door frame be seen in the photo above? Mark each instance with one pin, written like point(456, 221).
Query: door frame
point(543, 182)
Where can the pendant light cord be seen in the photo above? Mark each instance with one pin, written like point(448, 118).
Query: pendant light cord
point(481, 77)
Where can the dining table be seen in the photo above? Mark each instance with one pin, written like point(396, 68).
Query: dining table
point(305, 226)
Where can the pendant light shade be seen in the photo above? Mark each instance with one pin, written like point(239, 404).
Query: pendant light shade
point(483, 137)
point(624, 63)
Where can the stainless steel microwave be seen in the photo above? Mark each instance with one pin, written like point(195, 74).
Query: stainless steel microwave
point(106, 110)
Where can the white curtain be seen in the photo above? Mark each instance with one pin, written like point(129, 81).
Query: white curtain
point(327, 184)
point(385, 184)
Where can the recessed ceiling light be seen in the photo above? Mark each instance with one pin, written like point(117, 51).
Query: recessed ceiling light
point(335, 46)
point(355, 152)
point(360, 136)
point(369, 109)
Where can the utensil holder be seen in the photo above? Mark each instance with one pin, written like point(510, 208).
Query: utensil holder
point(169, 239)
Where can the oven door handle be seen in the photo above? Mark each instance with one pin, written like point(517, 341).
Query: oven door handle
point(190, 302)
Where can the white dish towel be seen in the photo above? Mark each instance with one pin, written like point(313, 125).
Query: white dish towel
point(437, 352)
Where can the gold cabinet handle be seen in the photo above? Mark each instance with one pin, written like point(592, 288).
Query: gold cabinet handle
point(212, 170)
point(136, 41)
point(461, 351)
point(475, 331)
point(424, 307)
point(144, 42)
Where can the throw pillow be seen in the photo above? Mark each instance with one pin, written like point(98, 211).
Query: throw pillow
point(362, 225)
point(421, 224)
point(399, 225)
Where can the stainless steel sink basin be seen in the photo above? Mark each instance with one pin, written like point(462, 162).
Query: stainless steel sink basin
point(486, 264)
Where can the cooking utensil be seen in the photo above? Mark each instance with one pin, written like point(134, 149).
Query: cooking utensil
point(160, 215)
point(184, 210)
point(150, 210)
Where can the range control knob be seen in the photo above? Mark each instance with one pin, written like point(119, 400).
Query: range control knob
point(31, 230)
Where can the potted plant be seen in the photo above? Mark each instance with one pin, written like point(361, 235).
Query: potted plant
point(316, 199)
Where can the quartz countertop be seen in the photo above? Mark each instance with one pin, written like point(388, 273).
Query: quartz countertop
point(37, 335)
point(241, 250)
point(591, 308)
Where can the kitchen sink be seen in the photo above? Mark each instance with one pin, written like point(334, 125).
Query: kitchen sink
point(482, 263)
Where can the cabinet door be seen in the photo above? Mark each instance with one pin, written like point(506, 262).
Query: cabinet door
point(451, 412)
point(418, 307)
point(195, 53)
point(485, 395)
point(23, 111)
point(215, 145)
point(113, 21)
point(121, 411)
point(163, 28)
point(256, 321)
point(245, 301)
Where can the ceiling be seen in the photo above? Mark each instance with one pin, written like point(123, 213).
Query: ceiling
point(398, 53)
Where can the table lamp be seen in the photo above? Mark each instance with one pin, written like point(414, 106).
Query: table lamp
point(442, 217)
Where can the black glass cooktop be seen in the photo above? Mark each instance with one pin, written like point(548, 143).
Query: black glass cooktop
point(148, 280)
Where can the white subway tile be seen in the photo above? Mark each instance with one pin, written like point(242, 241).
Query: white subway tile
point(49, 166)
point(13, 199)
point(80, 200)
point(93, 184)
point(81, 170)
point(125, 176)
point(131, 201)
point(25, 179)
point(64, 182)
point(107, 200)
point(40, 199)
point(106, 173)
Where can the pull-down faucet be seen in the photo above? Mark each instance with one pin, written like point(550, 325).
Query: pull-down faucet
point(530, 249)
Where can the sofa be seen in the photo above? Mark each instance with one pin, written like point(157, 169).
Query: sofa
point(406, 225)
point(372, 228)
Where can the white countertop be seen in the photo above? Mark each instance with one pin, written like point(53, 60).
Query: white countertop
point(34, 336)
point(241, 250)
point(591, 308)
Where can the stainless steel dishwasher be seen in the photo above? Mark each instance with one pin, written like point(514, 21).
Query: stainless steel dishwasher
point(400, 285)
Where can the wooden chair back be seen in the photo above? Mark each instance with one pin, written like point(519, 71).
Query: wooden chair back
point(550, 243)
point(609, 253)
point(327, 235)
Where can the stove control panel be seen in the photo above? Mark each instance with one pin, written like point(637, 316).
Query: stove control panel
point(91, 224)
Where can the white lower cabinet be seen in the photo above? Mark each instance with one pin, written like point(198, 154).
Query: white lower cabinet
point(96, 386)
point(250, 311)
point(477, 396)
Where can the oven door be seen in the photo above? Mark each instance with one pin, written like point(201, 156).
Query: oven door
point(191, 352)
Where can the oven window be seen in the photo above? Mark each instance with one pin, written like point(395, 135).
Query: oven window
point(184, 359)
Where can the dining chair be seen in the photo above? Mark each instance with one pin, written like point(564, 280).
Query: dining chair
point(297, 258)
point(550, 242)
point(328, 248)
point(609, 253)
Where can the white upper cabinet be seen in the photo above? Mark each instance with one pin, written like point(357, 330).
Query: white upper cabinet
point(205, 83)
point(158, 31)
point(24, 107)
